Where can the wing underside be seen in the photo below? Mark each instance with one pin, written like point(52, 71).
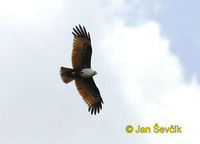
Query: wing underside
point(82, 49)
point(90, 94)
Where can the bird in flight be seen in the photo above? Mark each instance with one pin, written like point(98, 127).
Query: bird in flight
point(82, 72)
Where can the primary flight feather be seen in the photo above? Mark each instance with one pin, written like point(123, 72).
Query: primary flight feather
point(82, 72)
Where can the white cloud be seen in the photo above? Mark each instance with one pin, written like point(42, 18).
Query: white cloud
point(153, 80)
point(22, 12)
point(134, 12)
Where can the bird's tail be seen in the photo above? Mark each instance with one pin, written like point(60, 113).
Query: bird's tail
point(66, 74)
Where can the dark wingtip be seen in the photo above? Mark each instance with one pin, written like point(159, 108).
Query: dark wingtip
point(80, 31)
point(95, 108)
point(74, 34)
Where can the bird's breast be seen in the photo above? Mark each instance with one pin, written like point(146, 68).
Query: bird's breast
point(87, 73)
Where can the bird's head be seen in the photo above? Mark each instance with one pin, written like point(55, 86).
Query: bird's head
point(87, 72)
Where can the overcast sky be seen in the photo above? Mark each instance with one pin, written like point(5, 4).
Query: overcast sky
point(146, 53)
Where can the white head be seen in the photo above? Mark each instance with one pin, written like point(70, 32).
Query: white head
point(87, 72)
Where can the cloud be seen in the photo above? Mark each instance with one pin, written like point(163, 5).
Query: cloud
point(134, 12)
point(21, 13)
point(152, 80)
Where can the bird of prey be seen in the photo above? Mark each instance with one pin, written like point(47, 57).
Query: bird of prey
point(82, 72)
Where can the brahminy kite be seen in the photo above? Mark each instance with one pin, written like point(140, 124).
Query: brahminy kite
point(82, 72)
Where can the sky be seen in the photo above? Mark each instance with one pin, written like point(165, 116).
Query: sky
point(146, 53)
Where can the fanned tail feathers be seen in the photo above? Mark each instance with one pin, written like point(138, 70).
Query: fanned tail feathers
point(66, 74)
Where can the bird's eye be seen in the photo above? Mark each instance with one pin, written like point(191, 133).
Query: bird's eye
point(81, 72)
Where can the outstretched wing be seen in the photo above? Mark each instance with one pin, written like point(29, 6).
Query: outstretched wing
point(82, 49)
point(90, 94)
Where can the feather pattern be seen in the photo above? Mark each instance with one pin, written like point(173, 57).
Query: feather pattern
point(90, 94)
point(82, 49)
